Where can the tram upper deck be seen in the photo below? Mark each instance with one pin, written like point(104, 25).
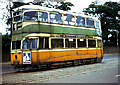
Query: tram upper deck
point(37, 19)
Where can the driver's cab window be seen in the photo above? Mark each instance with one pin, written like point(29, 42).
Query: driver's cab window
point(30, 44)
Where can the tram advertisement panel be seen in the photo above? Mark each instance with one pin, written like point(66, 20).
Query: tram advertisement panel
point(27, 57)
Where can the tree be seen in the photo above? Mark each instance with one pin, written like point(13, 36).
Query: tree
point(108, 13)
point(65, 6)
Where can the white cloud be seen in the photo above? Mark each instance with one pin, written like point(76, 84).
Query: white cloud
point(79, 5)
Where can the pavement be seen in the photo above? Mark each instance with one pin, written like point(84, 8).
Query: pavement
point(5, 63)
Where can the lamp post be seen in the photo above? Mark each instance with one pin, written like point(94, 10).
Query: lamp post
point(117, 38)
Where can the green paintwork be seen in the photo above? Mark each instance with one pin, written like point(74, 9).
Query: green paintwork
point(18, 36)
point(51, 29)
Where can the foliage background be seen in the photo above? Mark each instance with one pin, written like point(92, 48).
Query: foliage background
point(108, 14)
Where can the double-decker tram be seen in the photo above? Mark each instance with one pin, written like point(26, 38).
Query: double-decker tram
point(43, 36)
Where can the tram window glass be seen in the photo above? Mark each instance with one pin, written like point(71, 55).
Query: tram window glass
point(81, 42)
point(91, 43)
point(17, 13)
point(57, 43)
point(13, 45)
point(16, 44)
point(80, 21)
point(14, 26)
point(90, 23)
point(56, 18)
point(44, 43)
point(18, 18)
point(70, 43)
point(30, 44)
point(41, 41)
point(43, 16)
point(31, 16)
point(99, 43)
point(97, 25)
point(69, 20)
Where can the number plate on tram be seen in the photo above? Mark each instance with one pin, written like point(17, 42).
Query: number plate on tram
point(27, 57)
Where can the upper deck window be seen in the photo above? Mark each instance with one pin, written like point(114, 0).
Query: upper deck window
point(17, 13)
point(30, 44)
point(69, 20)
point(18, 18)
point(43, 16)
point(56, 18)
point(97, 25)
point(80, 21)
point(31, 16)
point(90, 23)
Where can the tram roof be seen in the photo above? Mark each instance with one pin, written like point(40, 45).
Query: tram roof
point(37, 7)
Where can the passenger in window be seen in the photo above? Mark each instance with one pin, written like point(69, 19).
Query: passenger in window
point(43, 16)
point(69, 20)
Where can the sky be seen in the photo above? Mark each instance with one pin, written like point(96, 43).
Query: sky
point(79, 5)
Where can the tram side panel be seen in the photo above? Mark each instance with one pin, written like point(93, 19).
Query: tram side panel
point(55, 56)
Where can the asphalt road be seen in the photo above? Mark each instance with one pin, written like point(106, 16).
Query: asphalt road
point(110, 75)
point(105, 72)
point(102, 76)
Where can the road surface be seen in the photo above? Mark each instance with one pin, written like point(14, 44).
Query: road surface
point(105, 72)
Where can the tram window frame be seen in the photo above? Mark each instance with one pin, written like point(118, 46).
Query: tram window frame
point(57, 46)
point(18, 17)
point(67, 22)
point(31, 17)
point(97, 24)
point(16, 44)
point(55, 19)
point(69, 42)
point(83, 22)
point(99, 44)
point(81, 43)
point(42, 17)
point(44, 44)
point(90, 23)
point(91, 45)
point(17, 13)
point(14, 27)
point(26, 41)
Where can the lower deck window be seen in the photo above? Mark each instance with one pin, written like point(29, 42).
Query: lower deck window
point(57, 43)
point(81, 42)
point(44, 43)
point(91, 43)
point(16, 44)
point(30, 44)
point(99, 43)
point(70, 43)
